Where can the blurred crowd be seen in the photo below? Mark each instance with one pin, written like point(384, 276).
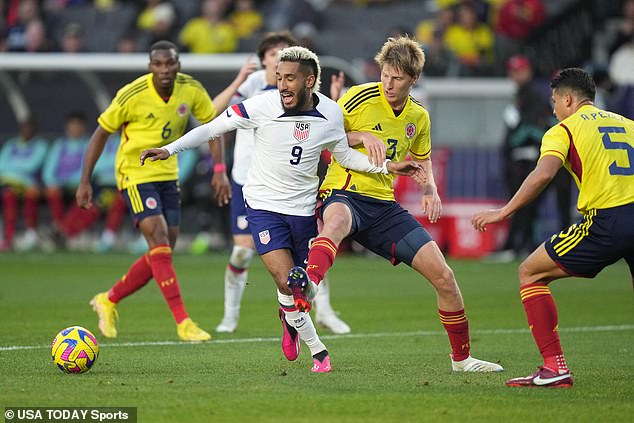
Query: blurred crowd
point(461, 37)
point(40, 176)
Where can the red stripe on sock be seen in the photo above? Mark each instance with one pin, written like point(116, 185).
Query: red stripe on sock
point(235, 270)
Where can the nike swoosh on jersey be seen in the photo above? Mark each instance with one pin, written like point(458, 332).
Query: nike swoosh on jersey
point(227, 111)
point(539, 381)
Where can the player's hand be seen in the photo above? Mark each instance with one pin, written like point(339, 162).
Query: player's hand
point(431, 204)
point(83, 195)
point(154, 154)
point(405, 168)
point(222, 188)
point(250, 66)
point(336, 85)
point(375, 147)
point(420, 176)
point(482, 219)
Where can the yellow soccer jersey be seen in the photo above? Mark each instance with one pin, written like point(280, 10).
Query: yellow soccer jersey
point(365, 109)
point(597, 148)
point(146, 121)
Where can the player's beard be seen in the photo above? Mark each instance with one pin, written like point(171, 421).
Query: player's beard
point(302, 100)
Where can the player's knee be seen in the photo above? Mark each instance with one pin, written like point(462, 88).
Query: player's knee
point(525, 273)
point(337, 222)
point(445, 281)
point(241, 257)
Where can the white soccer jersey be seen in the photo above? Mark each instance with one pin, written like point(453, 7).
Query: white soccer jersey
point(244, 143)
point(283, 174)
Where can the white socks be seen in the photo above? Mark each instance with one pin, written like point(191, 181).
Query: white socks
point(302, 323)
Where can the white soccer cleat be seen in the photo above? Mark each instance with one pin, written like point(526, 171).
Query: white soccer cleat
point(332, 322)
point(471, 364)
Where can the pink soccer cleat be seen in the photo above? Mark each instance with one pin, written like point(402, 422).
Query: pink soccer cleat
point(321, 366)
point(544, 378)
point(290, 339)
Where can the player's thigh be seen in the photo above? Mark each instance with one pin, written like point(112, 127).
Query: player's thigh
point(430, 262)
point(394, 234)
point(155, 230)
point(337, 221)
point(154, 198)
point(540, 267)
point(597, 240)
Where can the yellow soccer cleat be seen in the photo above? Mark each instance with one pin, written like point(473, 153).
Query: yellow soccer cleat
point(107, 312)
point(189, 331)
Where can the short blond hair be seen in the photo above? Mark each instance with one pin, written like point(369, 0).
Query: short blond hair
point(306, 58)
point(403, 53)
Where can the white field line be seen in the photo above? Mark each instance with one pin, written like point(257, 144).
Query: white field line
point(613, 328)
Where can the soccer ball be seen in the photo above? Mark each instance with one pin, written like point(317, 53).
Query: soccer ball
point(74, 350)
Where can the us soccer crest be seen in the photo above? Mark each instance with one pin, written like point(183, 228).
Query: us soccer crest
point(265, 237)
point(410, 130)
point(302, 131)
point(182, 110)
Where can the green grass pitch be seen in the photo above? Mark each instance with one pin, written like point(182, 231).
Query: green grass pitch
point(394, 367)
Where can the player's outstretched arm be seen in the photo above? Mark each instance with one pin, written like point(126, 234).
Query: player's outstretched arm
point(374, 146)
point(194, 138)
point(98, 140)
point(406, 168)
point(536, 181)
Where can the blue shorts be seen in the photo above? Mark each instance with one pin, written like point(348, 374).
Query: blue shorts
point(276, 231)
point(383, 227)
point(239, 224)
point(153, 198)
point(596, 240)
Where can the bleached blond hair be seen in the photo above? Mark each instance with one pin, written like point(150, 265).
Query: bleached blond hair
point(306, 58)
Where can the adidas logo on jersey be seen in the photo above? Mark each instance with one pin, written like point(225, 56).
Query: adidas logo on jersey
point(377, 127)
point(150, 116)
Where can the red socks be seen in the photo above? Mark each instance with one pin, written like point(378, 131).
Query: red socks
point(137, 277)
point(30, 208)
point(116, 213)
point(321, 256)
point(56, 205)
point(78, 220)
point(457, 327)
point(165, 277)
point(541, 312)
point(10, 211)
point(158, 263)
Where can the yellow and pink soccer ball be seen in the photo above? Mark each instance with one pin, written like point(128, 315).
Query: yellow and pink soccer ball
point(75, 350)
